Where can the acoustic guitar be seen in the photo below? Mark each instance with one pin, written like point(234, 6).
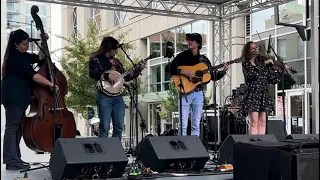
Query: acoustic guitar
point(190, 83)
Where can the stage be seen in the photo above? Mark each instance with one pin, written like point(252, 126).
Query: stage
point(41, 174)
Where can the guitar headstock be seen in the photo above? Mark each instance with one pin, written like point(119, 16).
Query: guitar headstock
point(152, 55)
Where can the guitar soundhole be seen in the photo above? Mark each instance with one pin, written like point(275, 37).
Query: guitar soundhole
point(195, 80)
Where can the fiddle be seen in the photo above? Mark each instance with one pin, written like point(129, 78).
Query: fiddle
point(275, 65)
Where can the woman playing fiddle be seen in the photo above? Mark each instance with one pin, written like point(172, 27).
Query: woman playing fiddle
point(257, 77)
point(17, 77)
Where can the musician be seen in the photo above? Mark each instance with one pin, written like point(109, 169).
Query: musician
point(192, 57)
point(109, 107)
point(17, 77)
point(258, 76)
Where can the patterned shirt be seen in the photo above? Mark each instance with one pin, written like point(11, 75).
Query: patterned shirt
point(100, 64)
point(16, 84)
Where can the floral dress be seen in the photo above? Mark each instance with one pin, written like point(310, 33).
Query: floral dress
point(257, 79)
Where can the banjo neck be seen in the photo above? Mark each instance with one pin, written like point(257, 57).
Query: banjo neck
point(135, 67)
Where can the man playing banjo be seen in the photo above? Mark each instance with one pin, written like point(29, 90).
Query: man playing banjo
point(101, 64)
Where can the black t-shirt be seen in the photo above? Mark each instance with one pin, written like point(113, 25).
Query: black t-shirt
point(186, 58)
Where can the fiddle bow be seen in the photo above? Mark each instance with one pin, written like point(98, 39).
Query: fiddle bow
point(277, 64)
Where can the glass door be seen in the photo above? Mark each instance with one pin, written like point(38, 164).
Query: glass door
point(298, 111)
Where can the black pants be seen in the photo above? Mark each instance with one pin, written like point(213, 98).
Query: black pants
point(13, 133)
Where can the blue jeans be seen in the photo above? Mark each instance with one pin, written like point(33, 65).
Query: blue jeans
point(110, 108)
point(195, 99)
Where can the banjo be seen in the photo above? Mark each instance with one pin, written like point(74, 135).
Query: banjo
point(118, 87)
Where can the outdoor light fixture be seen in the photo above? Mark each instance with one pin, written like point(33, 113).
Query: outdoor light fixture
point(8, 28)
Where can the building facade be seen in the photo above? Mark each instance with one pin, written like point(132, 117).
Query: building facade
point(149, 34)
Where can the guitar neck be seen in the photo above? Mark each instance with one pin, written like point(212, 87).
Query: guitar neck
point(221, 65)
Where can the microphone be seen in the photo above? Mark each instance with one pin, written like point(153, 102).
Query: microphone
point(33, 40)
point(269, 45)
point(120, 45)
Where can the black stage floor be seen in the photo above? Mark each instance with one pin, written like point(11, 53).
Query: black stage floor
point(44, 174)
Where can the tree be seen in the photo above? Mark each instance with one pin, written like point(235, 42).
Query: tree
point(170, 104)
point(75, 64)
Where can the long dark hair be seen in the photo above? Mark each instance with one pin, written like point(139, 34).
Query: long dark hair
point(15, 38)
point(246, 50)
point(107, 44)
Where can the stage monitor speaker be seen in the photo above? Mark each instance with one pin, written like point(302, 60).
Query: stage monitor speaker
point(295, 160)
point(225, 152)
point(275, 126)
point(87, 157)
point(302, 136)
point(169, 152)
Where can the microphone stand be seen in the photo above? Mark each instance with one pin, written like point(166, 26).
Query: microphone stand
point(135, 94)
point(143, 126)
point(283, 70)
point(131, 120)
point(215, 157)
point(205, 114)
point(181, 87)
point(180, 97)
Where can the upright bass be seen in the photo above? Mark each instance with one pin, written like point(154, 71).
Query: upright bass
point(49, 118)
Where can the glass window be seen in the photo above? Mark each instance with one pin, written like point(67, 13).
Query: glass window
point(13, 7)
point(167, 36)
point(294, 79)
point(13, 17)
point(291, 12)
point(155, 78)
point(201, 27)
point(264, 45)
point(166, 78)
point(42, 9)
point(181, 37)
point(262, 20)
point(290, 47)
point(155, 45)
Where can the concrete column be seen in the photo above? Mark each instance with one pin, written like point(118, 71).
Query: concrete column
point(238, 41)
point(315, 65)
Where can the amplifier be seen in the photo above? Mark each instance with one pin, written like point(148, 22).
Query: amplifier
point(290, 160)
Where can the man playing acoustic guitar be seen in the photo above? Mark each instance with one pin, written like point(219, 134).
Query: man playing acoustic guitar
point(195, 98)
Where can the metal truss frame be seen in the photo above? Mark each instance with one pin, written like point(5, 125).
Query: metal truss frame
point(220, 14)
point(222, 53)
point(177, 8)
point(74, 21)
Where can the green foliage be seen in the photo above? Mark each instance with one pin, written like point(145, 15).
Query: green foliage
point(170, 104)
point(75, 64)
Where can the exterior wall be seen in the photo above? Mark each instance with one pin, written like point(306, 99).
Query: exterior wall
point(144, 27)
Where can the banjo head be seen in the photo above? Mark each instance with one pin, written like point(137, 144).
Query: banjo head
point(117, 87)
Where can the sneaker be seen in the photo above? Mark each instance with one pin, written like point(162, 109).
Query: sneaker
point(16, 166)
point(24, 163)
